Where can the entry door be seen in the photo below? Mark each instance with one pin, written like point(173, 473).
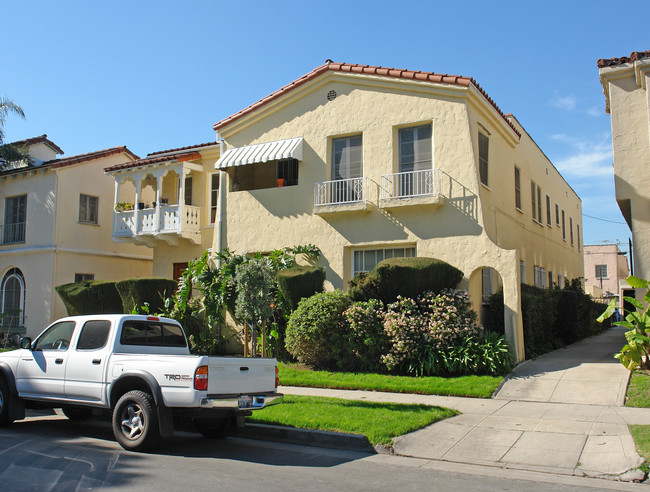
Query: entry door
point(41, 371)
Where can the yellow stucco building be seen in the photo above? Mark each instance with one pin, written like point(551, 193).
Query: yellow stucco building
point(625, 85)
point(56, 230)
point(369, 163)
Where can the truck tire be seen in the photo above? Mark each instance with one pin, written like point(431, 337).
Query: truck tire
point(77, 413)
point(135, 421)
point(4, 404)
point(216, 429)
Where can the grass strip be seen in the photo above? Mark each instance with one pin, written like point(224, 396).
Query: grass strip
point(471, 386)
point(380, 422)
point(641, 435)
point(638, 391)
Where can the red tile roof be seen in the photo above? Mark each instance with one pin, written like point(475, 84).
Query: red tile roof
point(180, 157)
point(436, 78)
point(634, 56)
point(75, 159)
point(35, 140)
point(208, 144)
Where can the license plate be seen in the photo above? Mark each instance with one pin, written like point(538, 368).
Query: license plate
point(245, 401)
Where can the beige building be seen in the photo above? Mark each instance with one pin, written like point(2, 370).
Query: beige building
point(369, 163)
point(168, 202)
point(57, 229)
point(605, 272)
point(625, 85)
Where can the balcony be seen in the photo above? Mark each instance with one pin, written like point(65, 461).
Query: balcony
point(414, 188)
point(342, 195)
point(167, 222)
point(12, 233)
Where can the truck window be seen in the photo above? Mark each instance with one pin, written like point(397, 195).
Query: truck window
point(151, 333)
point(56, 337)
point(94, 335)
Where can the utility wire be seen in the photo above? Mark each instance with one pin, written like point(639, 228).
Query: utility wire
point(604, 220)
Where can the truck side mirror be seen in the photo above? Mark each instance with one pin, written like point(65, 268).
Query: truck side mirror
point(26, 343)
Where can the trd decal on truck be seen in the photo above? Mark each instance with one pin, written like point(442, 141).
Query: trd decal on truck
point(178, 377)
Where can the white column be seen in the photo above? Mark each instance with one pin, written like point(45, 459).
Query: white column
point(136, 205)
point(159, 184)
point(115, 202)
point(181, 196)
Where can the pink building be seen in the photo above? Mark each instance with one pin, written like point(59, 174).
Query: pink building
point(605, 271)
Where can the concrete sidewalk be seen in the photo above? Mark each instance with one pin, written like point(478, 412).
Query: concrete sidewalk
point(561, 413)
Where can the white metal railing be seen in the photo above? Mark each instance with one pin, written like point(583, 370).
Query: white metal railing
point(411, 184)
point(153, 221)
point(341, 191)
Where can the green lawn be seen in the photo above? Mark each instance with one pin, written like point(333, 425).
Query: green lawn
point(641, 435)
point(380, 422)
point(473, 386)
point(638, 392)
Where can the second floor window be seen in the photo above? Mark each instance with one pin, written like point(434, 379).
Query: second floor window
point(188, 190)
point(536, 199)
point(517, 188)
point(563, 226)
point(548, 211)
point(214, 196)
point(346, 158)
point(88, 209)
point(483, 153)
point(415, 149)
point(601, 271)
point(15, 218)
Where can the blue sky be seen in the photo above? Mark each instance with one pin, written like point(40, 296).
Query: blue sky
point(154, 75)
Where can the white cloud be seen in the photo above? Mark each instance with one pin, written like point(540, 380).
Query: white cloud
point(595, 111)
point(564, 102)
point(587, 158)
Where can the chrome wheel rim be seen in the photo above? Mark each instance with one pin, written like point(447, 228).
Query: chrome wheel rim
point(133, 421)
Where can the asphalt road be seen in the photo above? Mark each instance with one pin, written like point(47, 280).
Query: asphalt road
point(53, 453)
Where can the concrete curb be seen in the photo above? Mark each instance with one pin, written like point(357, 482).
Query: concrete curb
point(308, 437)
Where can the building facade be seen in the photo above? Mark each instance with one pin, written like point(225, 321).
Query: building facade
point(605, 272)
point(56, 230)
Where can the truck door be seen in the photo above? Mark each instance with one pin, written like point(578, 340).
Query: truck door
point(41, 371)
point(84, 373)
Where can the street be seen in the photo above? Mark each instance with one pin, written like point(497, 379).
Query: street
point(51, 453)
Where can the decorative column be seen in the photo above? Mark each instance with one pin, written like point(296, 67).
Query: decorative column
point(115, 202)
point(136, 205)
point(159, 183)
point(181, 195)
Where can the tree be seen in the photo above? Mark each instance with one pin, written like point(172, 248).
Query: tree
point(8, 152)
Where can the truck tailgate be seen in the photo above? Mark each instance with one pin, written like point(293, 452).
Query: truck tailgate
point(241, 376)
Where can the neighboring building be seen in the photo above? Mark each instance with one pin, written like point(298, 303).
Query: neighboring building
point(57, 215)
point(178, 192)
point(370, 163)
point(625, 85)
point(605, 271)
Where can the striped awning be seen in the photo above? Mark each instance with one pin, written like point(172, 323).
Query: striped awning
point(264, 152)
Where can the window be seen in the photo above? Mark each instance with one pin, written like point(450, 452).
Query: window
point(540, 277)
point(560, 281)
point(13, 300)
point(483, 153)
point(415, 149)
point(188, 190)
point(152, 333)
point(346, 158)
point(287, 172)
point(56, 337)
point(82, 277)
point(364, 260)
point(578, 235)
point(550, 278)
point(536, 200)
point(601, 271)
point(214, 196)
point(88, 209)
point(548, 211)
point(571, 229)
point(563, 226)
point(557, 214)
point(522, 272)
point(15, 218)
point(517, 188)
point(94, 335)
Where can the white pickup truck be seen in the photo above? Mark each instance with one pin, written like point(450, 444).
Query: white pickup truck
point(138, 368)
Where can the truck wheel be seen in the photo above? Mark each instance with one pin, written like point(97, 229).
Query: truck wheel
point(135, 421)
point(77, 413)
point(216, 429)
point(4, 404)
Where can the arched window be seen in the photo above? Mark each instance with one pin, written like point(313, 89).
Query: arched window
point(12, 296)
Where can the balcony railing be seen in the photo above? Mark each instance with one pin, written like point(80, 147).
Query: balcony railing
point(341, 191)
point(151, 221)
point(411, 184)
point(12, 233)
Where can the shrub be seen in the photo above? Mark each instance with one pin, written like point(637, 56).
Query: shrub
point(476, 355)
point(135, 292)
point(90, 297)
point(432, 324)
point(299, 282)
point(315, 333)
point(366, 338)
point(406, 277)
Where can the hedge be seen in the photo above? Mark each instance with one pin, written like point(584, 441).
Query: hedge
point(298, 282)
point(90, 297)
point(135, 292)
point(406, 277)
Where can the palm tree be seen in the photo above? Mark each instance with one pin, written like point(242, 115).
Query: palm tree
point(8, 152)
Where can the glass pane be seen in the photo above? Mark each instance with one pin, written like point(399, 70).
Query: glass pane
point(57, 337)
point(94, 335)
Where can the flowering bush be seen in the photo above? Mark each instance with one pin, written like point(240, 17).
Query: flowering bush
point(430, 324)
point(367, 340)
